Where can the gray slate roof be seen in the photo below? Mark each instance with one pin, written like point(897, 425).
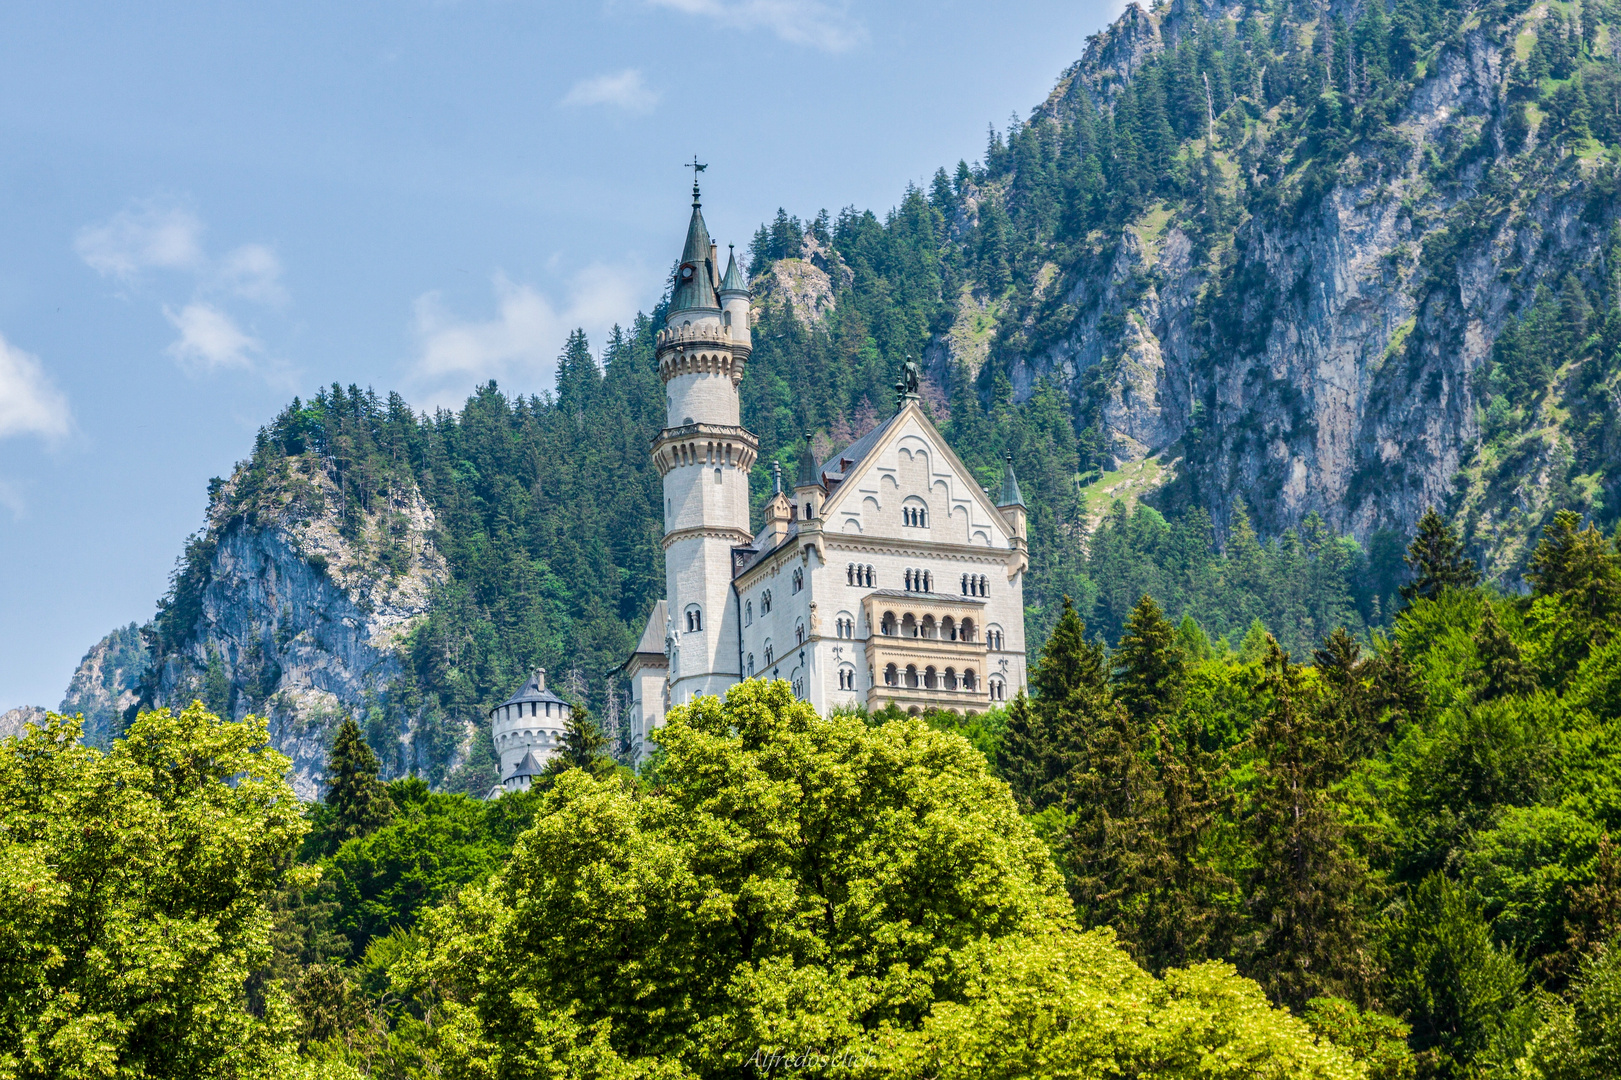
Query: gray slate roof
point(535, 690)
point(695, 291)
point(529, 767)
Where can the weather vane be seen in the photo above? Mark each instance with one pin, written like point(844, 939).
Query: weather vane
point(696, 169)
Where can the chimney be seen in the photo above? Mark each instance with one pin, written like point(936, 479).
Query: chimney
point(540, 678)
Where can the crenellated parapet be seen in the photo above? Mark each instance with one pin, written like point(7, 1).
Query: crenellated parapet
point(707, 348)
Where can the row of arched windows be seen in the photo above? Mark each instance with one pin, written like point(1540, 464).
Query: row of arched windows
point(976, 585)
point(947, 629)
point(930, 679)
point(845, 626)
point(861, 576)
point(919, 581)
point(916, 517)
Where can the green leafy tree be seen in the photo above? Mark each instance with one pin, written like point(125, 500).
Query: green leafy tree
point(801, 888)
point(359, 800)
point(132, 899)
point(1436, 561)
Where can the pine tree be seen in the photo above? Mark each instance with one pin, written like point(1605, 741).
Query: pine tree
point(1303, 891)
point(584, 746)
point(1149, 668)
point(358, 799)
point(1436, 561)
point(1502, 671)
point(1047, 735)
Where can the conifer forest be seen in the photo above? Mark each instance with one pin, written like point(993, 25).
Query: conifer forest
point(1318, 772)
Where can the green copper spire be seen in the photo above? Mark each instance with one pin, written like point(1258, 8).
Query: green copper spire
point(1010, 486)
point(733, 282)
point(695, 277)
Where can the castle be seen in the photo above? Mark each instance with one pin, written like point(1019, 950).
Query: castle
point(886, 575)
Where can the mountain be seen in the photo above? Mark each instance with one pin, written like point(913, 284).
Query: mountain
point(1249, 291)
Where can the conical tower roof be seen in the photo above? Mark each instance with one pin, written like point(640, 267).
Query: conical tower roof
point(695, 277)
point(807, 465)
point(1011, 496)
point(733, 282)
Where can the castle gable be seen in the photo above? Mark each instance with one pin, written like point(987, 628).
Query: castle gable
point(903, 482)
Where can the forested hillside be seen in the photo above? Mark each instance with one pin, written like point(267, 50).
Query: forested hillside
point(1251, 290)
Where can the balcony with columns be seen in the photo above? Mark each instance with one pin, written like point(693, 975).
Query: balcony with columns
point(926, 650)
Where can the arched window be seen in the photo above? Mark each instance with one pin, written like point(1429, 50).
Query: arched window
point(967, 631)
point(887, 626)
point(799, 633)
point(915, 513)
point(951, 678)
point(799, 579)
point(984, 585)
point(847, 678)
point(850, 574)
point(845, 625)
point(770, 655)
point(930, 630)
point(998, 690)
point(748, 612)
point(993, 637)
point(948, 629)
point(908, 579)
point(872, 577)
point(717, 476)
point(695, 618)
point(969, 682)
point(929, 682)
point(765, 602)
point(891, 676)
point(928, 581)
point(807, 511)
point(751, 665)
point(911, 676)
point(797, 681)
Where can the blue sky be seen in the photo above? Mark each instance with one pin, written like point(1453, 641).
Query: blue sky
point(209, 208)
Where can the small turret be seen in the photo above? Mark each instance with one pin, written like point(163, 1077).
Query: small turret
point(808, 490)
point(777, 512)
point(1011, 503)
point(734, 298)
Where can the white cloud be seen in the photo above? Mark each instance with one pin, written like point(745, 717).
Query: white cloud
point(209, 339)
point(145, 236)
point(29, 403)
point(253, 272)
point(519, 347)
point(821, 25)
point(625, 90)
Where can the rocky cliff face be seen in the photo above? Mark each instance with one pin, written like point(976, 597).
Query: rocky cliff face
point(1326, 352)
point(107, 684)
point(299, 620)
point(13, 721)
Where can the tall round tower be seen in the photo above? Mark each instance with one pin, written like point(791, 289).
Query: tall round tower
point(704, 456)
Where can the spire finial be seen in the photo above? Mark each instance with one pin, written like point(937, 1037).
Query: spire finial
point(696, 169)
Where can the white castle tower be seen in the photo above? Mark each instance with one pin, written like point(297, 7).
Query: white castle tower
point(704, 456)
